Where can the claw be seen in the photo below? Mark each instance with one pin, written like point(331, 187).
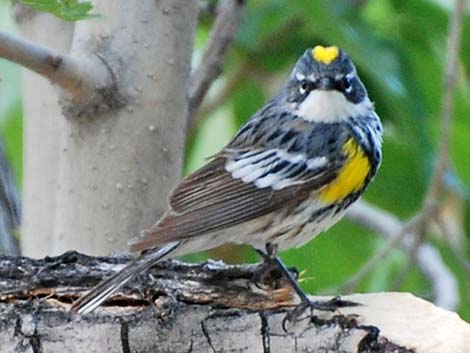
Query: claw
point(337, 302)
point(328, 305)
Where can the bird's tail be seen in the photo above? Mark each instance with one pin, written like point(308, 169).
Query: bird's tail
point(105, 289)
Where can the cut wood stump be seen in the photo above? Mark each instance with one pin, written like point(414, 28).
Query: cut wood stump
point(210, 307)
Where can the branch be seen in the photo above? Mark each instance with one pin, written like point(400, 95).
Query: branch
point(59, 69)
point(447, 110)
point(443, 282)
point(10, 208)
point(229, 14)
point(220, 96)
point(84, 82)
point(211, 307)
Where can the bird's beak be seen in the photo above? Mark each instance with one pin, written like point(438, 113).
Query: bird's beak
point(325, 83)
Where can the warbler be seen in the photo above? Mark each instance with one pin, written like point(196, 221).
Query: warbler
point(288, 174)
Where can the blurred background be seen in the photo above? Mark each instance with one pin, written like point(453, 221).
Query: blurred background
point(399, 48)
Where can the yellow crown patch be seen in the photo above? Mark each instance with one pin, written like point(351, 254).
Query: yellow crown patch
point(325, 55)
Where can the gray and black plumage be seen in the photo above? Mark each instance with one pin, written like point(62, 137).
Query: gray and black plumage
point(288, 174)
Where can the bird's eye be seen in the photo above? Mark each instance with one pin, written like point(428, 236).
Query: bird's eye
point(346, 84)
point(305, 86)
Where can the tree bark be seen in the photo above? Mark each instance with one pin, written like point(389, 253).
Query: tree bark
point(43, 128)
point(211, 307)
point(115, 159)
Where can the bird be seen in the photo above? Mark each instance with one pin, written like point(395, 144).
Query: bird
point(289, 173)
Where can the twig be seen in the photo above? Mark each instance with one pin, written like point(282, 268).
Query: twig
point(360, 216)
point(220, 97)
point(350, 285)
point(417, 236)
point(9, 208)
point(229, 14)
point(443, 282)
point(410, 260)
point(457, 251)
point(449, 82)
point(79, 79)
point(40, 60)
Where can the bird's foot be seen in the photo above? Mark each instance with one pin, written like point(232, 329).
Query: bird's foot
point(270, 275)
point(311, 305)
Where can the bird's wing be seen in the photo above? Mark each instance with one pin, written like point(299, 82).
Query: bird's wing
point(238, 186)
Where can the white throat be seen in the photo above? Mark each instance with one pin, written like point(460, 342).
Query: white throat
point(330, 106)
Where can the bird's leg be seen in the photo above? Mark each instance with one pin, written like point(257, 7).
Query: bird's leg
point(271, 252)
point(306, 303)
point(269, 273)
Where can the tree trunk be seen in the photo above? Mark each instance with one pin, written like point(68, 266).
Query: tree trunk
point(10, 213)
point(43, 128)
point(212, 307)
point(113, 161)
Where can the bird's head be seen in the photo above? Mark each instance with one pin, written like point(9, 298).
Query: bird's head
point(324, 86)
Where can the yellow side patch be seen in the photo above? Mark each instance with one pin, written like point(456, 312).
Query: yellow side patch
point(325, 55)
point(351, 176)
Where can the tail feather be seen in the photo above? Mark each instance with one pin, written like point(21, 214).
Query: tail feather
point(105, 289)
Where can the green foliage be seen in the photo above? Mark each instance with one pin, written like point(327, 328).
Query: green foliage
point(11, 133)
point(246, 100)
point(68, 10)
